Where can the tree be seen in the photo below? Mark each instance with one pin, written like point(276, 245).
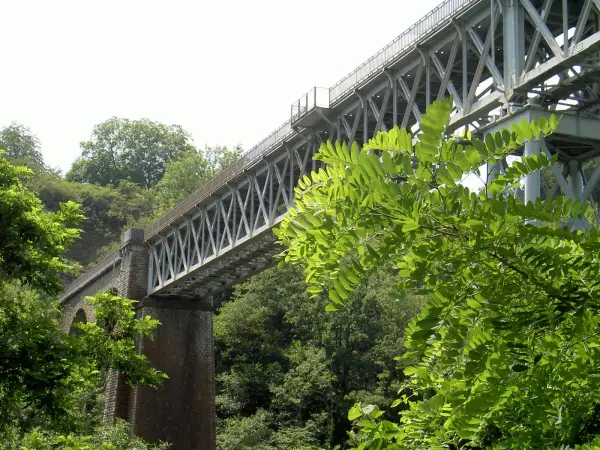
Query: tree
point(132, 150)
point(46, 376)
point(108, 211)
point(287, 373)
point(21, 145)
point(503, 353)
point(44, 373)
point(188, 173)
point(32, 240)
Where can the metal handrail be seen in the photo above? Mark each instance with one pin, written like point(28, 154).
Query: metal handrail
point(316, 97)
point(434, 20)
point(99, 269)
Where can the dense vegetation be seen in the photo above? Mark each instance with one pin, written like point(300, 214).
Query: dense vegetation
point(504, 353)
point(287, 372)
point(49, 380)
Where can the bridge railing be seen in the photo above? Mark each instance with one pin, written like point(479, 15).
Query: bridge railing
point(99, 269)
point(316, 97)
point(229, 173)
point(434, 20)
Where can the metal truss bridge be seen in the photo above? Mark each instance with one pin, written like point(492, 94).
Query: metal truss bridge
point(501, 60)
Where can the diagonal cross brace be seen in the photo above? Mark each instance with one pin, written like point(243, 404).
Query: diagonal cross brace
point(379, 113)
point(541, 26)
point(446, 73)
point(411, 95)
point(481, 49)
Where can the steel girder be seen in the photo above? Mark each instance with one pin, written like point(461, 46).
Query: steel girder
point(235, 223)
point(494, 57)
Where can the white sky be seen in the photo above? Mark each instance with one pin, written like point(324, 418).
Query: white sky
point(225, 70)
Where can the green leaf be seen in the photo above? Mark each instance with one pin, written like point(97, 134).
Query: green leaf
point(472, 155)
point(481, 147)
point(437, 402)
point(409, 226)
point(490, 142)
point(477, 225)
point(330, 307)
point(355, 412)
point(335, 297)
point(388, 164)
point(525, 129)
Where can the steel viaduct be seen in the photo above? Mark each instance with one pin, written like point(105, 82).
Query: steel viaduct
point(502, 60)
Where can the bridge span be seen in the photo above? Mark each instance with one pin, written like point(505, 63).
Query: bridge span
point(501, 60)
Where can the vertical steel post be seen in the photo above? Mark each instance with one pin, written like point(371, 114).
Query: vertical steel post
point(493, 32)
point(394, 87)
point(465, 79)
point(427, 80)
point(565, 13)
point(533, 180)
point(395, 98)
point(514, 42)
point(365, 119)
point(270, 172)
point(576, 183)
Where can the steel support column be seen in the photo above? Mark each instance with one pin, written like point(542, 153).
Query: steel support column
point(514, 42)
point(533, 180)
point(576, 184)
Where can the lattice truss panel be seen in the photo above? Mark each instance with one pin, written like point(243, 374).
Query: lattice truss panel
point(484, 59)
point(194, 257)
point(496, 58)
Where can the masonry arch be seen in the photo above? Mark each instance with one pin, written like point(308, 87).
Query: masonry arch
point(79, 317)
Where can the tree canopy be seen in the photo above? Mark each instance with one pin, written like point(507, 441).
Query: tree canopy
point(21, 145)
point(505, 350)
point(188, 173)
point(287, 373)
point(33, 240)
point(49, 380)
point(132, 150)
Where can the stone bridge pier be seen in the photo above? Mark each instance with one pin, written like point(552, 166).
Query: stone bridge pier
point(182, 412)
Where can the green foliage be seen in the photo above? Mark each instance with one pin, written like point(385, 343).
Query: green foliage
point(32, 362)
point(21, 146)
point(188, 173)
point(132, 150)
point(32, 240)
point(287, 372)
point(51, 380)
point(115, 437)
point(107, 210)
point(110, 342)
point(504, 353)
